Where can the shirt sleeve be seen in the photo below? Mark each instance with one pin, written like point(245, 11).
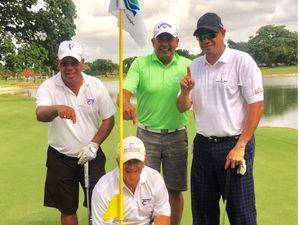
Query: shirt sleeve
point(132, 78)
point(107, 107)
point(43, 96)
point(98, 208)
point(161, 199)
point(251, 80)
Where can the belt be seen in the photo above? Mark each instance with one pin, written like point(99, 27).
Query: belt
point(162, 131)
point(219, 139)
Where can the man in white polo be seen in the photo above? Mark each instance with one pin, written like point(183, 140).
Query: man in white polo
point(80, 115)
point(145, 194)
point(226, 91)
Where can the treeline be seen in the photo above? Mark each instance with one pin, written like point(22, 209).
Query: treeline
point(270, 46)
point(31, 30)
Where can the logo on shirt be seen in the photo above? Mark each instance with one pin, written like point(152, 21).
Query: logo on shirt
point(90, 101)
point(222, 78)
point(146, 201)
point(258, 90)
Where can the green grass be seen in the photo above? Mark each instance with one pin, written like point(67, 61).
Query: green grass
point(15, 83)
point(22, 169)
point(279, 70)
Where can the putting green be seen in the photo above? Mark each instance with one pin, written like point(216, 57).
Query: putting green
point(23, 143)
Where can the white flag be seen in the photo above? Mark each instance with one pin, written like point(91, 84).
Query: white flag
point(133, 21)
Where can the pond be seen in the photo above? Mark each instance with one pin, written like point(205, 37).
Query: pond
point(281, 100)
point(280, 94)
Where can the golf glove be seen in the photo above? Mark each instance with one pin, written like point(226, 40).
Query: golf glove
point(242, 168)
point(88, 153)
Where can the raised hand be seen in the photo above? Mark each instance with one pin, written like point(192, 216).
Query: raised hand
point(187, 84)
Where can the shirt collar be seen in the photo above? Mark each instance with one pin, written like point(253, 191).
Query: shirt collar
point(225, 55)
point(175, 58)
point(143, 177)
point(59, 81)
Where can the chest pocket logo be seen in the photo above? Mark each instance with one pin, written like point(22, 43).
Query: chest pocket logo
point(90, 101)
point(146, 202)
point(222, 77)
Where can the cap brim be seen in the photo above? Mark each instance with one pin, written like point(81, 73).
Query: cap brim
point(78, 57)
point(165, 31)
point(215, 29)
point(133, 155)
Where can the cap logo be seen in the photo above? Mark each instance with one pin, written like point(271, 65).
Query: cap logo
point(164, 25)
point(131, 145)
point(132, 148)
point(71, 45)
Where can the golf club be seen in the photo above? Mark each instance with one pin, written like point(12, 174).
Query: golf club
point(226, 193)
point(87, 187)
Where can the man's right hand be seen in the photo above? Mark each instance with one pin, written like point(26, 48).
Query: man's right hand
point(129, 112)
point(187, 84)
point(66, 112)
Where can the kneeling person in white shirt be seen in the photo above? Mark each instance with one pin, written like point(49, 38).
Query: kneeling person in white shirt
point(145, 195)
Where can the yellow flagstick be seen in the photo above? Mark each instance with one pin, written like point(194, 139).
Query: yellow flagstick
point(121, 194)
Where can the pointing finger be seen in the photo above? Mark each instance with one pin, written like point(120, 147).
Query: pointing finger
point(188, 72)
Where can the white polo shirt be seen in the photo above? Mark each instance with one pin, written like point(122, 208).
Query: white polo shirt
point(91, 105)
point(222, 92)
point(149, 199)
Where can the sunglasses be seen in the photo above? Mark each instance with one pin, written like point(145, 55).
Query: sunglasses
point(206, 36)
point(71, 62)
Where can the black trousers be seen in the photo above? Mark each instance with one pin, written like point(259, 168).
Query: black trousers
point(64, 176)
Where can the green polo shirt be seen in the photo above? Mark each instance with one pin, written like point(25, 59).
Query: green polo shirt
point(156, 87)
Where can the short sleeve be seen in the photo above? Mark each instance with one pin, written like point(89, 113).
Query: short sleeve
point(251, 80)
point(98, 208)
point(161, 199)
point(132, 78)
point(43, 96)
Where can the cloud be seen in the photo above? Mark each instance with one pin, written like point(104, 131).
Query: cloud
point(98, 33)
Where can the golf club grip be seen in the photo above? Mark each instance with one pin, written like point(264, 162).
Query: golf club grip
point(86, 175)
point(227, 184)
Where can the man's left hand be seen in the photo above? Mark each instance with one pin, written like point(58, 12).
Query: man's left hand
point(235, 156)
point(88, 153)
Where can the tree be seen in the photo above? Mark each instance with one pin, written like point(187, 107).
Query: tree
point(43, 23)
point(127, 63)
point(101, 67)
point(242, 46)
point(186, 54)
point(273, 45)
point(8, 55)
point(32, 56)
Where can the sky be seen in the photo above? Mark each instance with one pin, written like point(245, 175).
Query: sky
point(97, 31)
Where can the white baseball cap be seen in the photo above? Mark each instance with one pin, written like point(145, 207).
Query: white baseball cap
point(134, 148)
point(69, 48)
point(165, 27)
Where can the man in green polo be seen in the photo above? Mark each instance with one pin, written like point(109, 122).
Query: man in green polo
point(154, 79)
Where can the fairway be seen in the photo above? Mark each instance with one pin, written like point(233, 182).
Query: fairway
point(22, 169)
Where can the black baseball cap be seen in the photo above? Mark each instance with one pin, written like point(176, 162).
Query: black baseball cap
point(210, 21)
